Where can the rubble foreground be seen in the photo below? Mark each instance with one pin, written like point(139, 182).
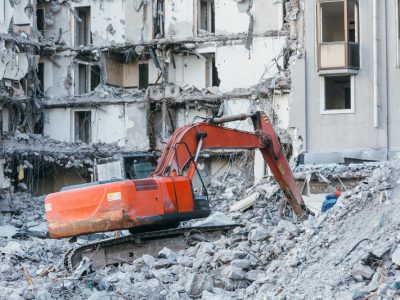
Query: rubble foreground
point(350, 252)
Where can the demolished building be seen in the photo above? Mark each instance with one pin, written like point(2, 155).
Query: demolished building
point(118, 77)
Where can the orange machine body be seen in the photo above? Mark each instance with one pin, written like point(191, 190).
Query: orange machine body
point(122, 204)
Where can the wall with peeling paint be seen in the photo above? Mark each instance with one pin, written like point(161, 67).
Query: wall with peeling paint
point(239, 106)
point(190, 70)
point(58, 76)
point(56, 22)
point(15, 12)
point(228, 10)
point(188, 115)
point(268, 15)
point(238, 67)
point(179, 18)
point(280, 106)
point(135, 124)
point(57, 124)
point(108, 124)
point(7, 15)
point(138, 21)
point(124, 124)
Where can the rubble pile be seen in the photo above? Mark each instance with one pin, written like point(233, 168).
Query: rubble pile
point(40, 154)
point(349, 252)
point(333, 171)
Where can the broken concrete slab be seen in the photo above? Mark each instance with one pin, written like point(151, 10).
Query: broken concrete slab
point(197, 283)
point(396, 256)
point(8, 231)
point(41, 230)
point(364, 271)
point(216, 219)
point(245, 203)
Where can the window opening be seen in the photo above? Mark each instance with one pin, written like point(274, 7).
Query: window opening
point(83, 126)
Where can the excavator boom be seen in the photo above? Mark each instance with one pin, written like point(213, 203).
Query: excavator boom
point(167, 197)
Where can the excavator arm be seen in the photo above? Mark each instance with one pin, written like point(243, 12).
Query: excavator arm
point(186, 143)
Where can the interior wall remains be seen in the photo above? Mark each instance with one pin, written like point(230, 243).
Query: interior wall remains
point(238, 67)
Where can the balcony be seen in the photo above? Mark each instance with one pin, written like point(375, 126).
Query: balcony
point(338, 55)
point(338, 47)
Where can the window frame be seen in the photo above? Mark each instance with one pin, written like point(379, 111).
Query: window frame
point(74, 113)
point(88, 11)
point(347, 43)
point(210, 19)
point(323, 110)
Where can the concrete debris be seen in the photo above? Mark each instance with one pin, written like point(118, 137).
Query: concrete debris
point(216, 219)
point(349, 252)
point(396, 256)
point(40, 230)
point(8, 231)
point(245, 203)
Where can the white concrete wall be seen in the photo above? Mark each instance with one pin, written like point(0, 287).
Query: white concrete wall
point(135, 130)
point(137, 30)
point(153, 72)
point(17, 13)
point(190, 70)
point(280, 105)
point(235, 107)
point(229, 18)
point(57, 124)
point(57, 82)
point(108, 124)
point(237, 68)
point(107, 21)
point(6, 16)
point(185, 116)
point(124, 124)
point(268, 15)
point(179, 18)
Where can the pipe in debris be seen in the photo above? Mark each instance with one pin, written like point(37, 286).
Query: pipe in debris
point(240, 117)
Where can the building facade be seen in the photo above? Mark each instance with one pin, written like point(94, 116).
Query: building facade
point(345, 91)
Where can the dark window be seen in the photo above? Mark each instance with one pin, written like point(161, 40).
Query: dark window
point(40, 77)
point(82, 79)
point(337, 92)
point(332, 21)
point(159, 20)
point(143, 76)
point(212, 78)
point(94, 77)
point(82, 31)
point(38, 126)
point(206, 16)
point(83, 126)
point(40, 20)
point(137, 167)
point(215, 79)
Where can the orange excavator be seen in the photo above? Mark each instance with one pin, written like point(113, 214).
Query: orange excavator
point(167, 197)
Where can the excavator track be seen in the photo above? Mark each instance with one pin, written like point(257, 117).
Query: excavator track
point(128, 248)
